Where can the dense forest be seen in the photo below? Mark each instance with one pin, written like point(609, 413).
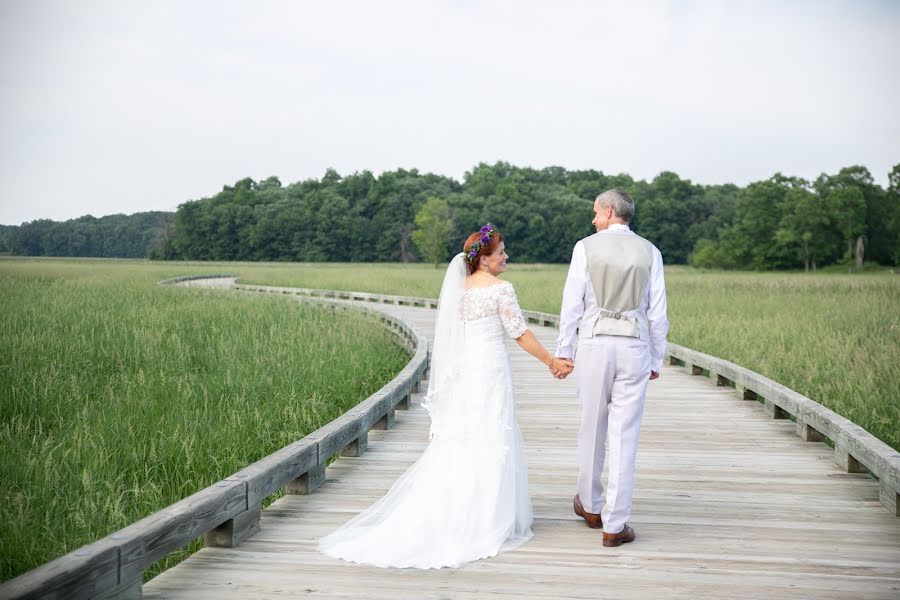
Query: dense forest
point(122, 236)
point(780, 223)
point(6, 232)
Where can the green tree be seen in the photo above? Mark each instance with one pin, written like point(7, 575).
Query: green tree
point(851, 205)
point(806, 227)
point(893, 195)
point(434, 225)
point(751, 240)
point(666, 213)
point(877, 234)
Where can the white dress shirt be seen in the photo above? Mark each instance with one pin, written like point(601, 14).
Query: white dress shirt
point(580, 301)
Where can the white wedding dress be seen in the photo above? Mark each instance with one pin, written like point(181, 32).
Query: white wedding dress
point(466, 497)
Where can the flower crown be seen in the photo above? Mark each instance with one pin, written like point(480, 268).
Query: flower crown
point(475, 247)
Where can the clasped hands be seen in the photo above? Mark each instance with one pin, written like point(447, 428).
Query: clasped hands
point(561, 367)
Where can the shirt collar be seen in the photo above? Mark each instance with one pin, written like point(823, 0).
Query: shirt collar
point(618, 227)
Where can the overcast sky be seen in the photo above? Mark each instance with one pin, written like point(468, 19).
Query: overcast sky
point(122, 106)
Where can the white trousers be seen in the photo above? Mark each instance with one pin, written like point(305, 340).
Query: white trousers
point(611, 375)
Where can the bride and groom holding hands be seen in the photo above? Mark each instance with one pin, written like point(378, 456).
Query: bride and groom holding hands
point(466, 497)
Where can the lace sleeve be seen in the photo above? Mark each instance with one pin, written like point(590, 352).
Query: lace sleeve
point(510, 313)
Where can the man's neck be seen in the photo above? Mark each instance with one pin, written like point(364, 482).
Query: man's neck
point(614, 224)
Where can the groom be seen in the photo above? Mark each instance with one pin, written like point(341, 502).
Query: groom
point(614, 301)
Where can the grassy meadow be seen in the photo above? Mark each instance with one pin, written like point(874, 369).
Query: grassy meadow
point(119, 397)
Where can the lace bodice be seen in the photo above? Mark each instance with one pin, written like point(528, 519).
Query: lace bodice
point(499, 299)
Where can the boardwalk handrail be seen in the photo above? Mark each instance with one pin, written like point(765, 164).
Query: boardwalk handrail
point(855, 449)
point(228, 512)
point(183, 278)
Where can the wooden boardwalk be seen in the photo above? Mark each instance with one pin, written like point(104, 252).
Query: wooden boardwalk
point(728, 504)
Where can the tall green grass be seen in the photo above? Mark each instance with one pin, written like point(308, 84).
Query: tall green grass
point(119, 397)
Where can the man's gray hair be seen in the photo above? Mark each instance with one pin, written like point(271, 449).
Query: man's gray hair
point(621, 203)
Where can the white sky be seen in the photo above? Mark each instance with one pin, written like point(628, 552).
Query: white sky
point(124, 106)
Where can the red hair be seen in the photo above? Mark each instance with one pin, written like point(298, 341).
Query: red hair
point(485, 250)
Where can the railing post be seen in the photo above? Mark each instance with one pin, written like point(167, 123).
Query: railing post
point(844, 460)
point(358, 446)
point(308, 482)
point(235, 530)
point(720, 380)
point(743, 393)
point(889, 498)
point(238, 528)
point(809, 434)
point(385, 422)
point(773, 410)
point(404, 403)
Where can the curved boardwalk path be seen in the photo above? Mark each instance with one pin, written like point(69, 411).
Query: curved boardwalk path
point(728, 504)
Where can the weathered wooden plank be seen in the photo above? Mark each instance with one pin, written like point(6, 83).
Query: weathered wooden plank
point(79, 574)
point(338, 434)
point(151, 538)
point(889, 498)
point(269, 474)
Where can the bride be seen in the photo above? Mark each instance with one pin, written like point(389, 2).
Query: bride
point(466, 497)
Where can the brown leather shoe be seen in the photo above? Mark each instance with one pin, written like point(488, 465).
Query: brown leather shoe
point(593, 520)
point(617, 539)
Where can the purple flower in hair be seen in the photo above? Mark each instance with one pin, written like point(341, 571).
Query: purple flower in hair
point(476, 246)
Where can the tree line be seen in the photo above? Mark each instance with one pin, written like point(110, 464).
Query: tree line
point(779, 223)
point(112, 236)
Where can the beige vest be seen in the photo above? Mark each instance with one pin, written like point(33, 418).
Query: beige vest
point(619, 268)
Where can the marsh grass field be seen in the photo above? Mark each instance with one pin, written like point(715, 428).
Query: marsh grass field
point(119, 397)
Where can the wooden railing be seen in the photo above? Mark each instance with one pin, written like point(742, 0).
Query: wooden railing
point(341, 295)
point(228, 512)
point(855, 449)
